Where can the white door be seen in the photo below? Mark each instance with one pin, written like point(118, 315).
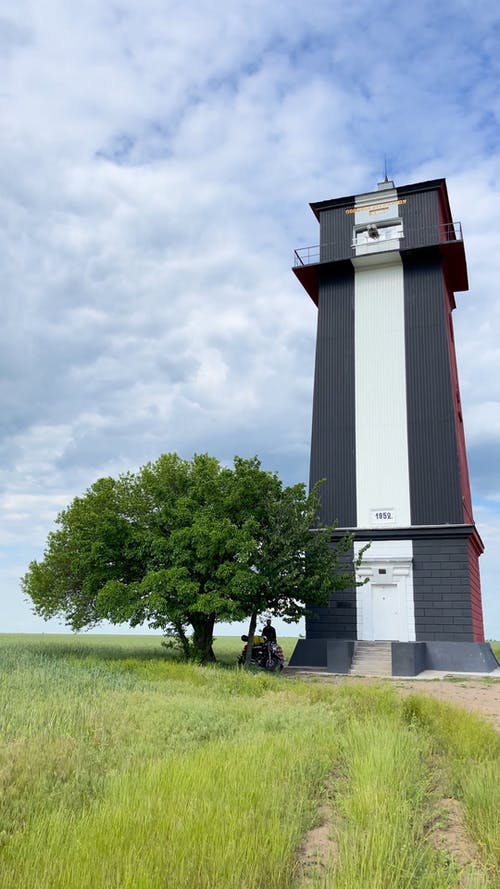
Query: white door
point(388, 618)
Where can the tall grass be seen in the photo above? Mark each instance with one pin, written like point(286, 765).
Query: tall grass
point(123, 771)
point(219, 815)
point(381, 809)
point(120, 767)
point(471, 749)
point(496, 649)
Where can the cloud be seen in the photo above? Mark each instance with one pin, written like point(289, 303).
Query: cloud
point(155, 171)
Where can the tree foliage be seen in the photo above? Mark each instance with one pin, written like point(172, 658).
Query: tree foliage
point(181, 545)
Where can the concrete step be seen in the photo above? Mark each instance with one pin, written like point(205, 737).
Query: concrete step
point(367, 655)
point(373, 656)
point(372, 659)
point(361, 645)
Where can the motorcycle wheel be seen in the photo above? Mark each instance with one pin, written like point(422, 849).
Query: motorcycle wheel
point(273, 665)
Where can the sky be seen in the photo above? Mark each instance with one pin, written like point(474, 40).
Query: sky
point(157, 160)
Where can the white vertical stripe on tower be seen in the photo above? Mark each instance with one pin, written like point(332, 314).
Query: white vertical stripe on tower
point(382, 478)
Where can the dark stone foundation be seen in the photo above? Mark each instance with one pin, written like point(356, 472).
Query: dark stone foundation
point(408, 658)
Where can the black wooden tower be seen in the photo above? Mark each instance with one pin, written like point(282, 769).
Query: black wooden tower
point(387, 429)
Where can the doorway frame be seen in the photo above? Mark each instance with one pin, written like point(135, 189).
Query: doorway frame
point(385, 572)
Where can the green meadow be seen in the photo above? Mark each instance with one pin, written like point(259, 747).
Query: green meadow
point(124, 768)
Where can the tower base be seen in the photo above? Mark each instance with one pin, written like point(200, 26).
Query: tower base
point(408, 658)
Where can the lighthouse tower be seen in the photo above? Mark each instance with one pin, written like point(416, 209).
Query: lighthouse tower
point(387, 431)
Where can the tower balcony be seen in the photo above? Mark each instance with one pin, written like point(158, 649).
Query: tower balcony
point(379, 239)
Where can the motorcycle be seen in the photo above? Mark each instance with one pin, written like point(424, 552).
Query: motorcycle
point(266, 655)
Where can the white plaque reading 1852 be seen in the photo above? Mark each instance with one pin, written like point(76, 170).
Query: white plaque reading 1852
point(382, 516)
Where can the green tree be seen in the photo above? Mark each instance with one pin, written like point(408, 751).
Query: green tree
point(181, 545)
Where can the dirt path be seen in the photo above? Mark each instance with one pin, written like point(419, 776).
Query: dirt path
point(448, 832)
point(479, 695)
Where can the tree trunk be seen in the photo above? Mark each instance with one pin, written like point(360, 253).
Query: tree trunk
point(183, 640)
point(203, 637)
point(251, 634)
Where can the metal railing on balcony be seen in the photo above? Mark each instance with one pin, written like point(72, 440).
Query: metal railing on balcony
point(424, 236)
point(449, 231)
point(306, 255)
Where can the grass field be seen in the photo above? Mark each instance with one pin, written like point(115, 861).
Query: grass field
point(496, 648)
point(122, 768)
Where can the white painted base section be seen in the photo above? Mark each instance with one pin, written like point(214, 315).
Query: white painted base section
point(384, 602)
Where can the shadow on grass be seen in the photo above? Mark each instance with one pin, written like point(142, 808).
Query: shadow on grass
point(105, 648)
point(125, 649)
point(108, 648)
